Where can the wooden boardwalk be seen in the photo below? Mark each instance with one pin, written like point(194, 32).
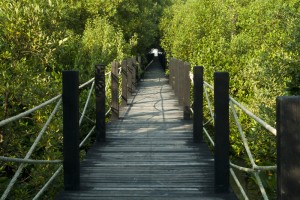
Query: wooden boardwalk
point(149, 153)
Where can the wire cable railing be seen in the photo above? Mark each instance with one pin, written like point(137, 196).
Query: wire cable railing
point(26, 160)
point(83, 116)
point(255, 169)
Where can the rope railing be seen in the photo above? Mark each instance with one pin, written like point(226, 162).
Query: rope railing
point(38, 138)
point(255, 169)
point(52, 178)
point(210, 120)
point(129, 67)
point(26, 160)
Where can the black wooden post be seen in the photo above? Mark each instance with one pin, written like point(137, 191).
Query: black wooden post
point(70, 97)
point(139, 58)
point(288, 151)
point(129, 78)
point(198, 104)
point(115, 91)
point(124, 82)
point(100, 102)
point(171, 71)
point(177, 74)
point(139, 67)
point(134, 73)
point(180, 82)
point(186, 92)
point(221, 102)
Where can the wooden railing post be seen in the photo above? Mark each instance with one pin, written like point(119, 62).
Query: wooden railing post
point(180, 81)
point(139, 59)
point(171, 71)
point(70, 97)
point(176, 76)
point(134, 74)
point(100, 102)
point(124, 82)
point(186, 92)
point(221, 102)
point(129, 78)
point(198, 104)
point(288, 152)
point(162, 60)
point(115, 91)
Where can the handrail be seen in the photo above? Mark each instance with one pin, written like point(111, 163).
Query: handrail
point(45, 187)
point(28, 112)
point(27, 160)
point(250, 114)
point(58, 98)
point(255, 169)
point(21, 167)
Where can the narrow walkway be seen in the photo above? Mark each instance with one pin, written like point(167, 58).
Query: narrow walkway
point(149, 154)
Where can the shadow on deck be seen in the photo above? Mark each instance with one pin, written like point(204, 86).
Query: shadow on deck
point(149, 153)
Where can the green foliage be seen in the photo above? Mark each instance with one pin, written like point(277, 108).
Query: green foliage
point(39, 39)
point(257, 42)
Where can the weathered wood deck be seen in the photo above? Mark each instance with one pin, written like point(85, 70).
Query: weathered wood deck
point(149, 153)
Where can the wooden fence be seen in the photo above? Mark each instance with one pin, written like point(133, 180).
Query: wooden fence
point(130, 71)
point(287, 126)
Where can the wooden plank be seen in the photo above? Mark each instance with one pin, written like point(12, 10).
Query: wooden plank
point(150, 153)
point(130, 74)
point(134, 74)
point(115, 91)
point(221, 104)
point(70, 99)
point(288, 140)
point(124, 82)
point(198, 104)
point(186, 92)
point(100, 102)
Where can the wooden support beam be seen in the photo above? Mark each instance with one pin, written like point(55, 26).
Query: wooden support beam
point(100, 102)
point(198, 104)
point(129, 78)
point(115, 91)
point(180, 81)
point(186, 91)
point(134, 74)
point(288, 151)
point(124, 82)
point(176, 75)
point(221, 102)
point(171, 72)
point(71, 162)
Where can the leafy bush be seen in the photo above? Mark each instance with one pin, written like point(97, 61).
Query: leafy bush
point(39, 39)
point(257, 42)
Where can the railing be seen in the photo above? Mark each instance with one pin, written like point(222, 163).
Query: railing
point(255, 169)
point(179, 79)
point(72, 118)
point(218, 107)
